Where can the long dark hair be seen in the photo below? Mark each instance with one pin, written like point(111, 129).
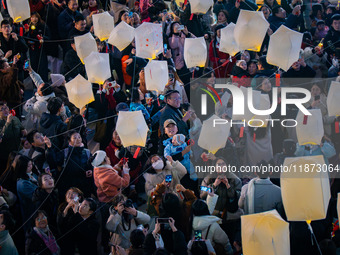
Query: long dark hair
point(21, 167)
point(148, 165)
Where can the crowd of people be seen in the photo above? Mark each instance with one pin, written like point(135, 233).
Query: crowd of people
point(69, 186)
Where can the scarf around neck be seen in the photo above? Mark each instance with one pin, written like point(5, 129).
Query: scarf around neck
point(49, 240)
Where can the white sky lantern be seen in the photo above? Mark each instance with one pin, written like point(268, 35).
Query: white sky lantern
point(265, 233)
point(305, 193)
point(132, 128)
point(19, 10)
point(195, 52)
point(284, 47)
point(1, 17)
point(250, 29)
point(200, 6)
point(149, 40)
point(97, 66)
point(79, 91)
point(333, 99)
point(122, 35)
point(309, 129)
point(85, 44)
point(264, 105)
point(103, 25)
point(156, 75)
point(248, 115)
point(213, 138)
point(228, 43)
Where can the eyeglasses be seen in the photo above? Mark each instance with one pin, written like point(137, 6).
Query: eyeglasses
point(176, 98)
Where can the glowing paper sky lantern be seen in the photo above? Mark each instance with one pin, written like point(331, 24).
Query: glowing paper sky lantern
point(79, 91)
point(156, 75)
point(333, 99)
point(305, 194)
point(149, 40)
point(284, 47)
point(195, 52)
point(19, 10)
point(228, 43)
point(122, 35)
point(85, 44)
point(264, 105)
point(132, 128)
point(97, 67)
point(248, 115)
point(200, 6)
point(103, 25)
point(213, 138)
point(250, 29)
point(309, 129)
point(265, 233)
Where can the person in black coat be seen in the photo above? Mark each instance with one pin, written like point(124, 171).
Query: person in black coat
point(51, 123)
point(84, 226)
point(172, 111)
point(45, 197)
point(72, 66)
point(39, 236)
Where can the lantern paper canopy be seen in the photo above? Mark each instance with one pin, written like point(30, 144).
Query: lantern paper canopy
point(149, 40)
point(265, 233)
point(132, 128)
point(200, 6)
point(97, 66)
point(195, 52)
point(213, 138)
point(284, 48)
point(305, 194)
point(309, 129)
point(19, 10)
point(256, 96)
point(228, 43)
point(156, 75)
point(263, 105)
point(1, 18)
point(250, 29)
point(122, 35)
point(333, 99)
point(85, 44)
point(103, 25)
point(79, 91)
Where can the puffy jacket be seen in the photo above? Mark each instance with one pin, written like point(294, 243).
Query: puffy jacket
point(109, 182)
point(51, 125)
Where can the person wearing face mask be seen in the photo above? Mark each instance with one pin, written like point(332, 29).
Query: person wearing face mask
point(157, 169)
point(41, 240)
point(45, 197)
point(220, 60)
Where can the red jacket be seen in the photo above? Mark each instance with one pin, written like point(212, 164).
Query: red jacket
point(108, 182)
point(110, 152)
point(215, 56)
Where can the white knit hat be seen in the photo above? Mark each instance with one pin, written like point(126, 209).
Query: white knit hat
point(57, 79)
point(100, 156)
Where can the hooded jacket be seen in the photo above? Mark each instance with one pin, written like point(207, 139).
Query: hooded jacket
point(216, 235)
point(108, 182)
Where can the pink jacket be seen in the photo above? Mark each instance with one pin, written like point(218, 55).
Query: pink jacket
point(108, 182)
point(176, 44)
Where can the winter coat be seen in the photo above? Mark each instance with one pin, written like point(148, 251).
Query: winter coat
point(120, 236)
point(72, 66)
point(241, 77)
point(35, 245)
point(275, 22)
point(52, 125)
point(7, 244)
point(215, 56)
point(318, 63)
point(16, 47)
point(216, 235)
point(170, 112)
point(176, 44)
point(108, 182)
point(176, 169)
point(10, 86)
point(66, 22)
point(332, 41)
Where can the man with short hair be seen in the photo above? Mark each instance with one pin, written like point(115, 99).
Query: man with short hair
point(12, 44)
point(37, 152)
point(79, 26)
point(172, 111)
point(332, 39)
point(279, 17)
point(51, 123)
point(6, 241)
